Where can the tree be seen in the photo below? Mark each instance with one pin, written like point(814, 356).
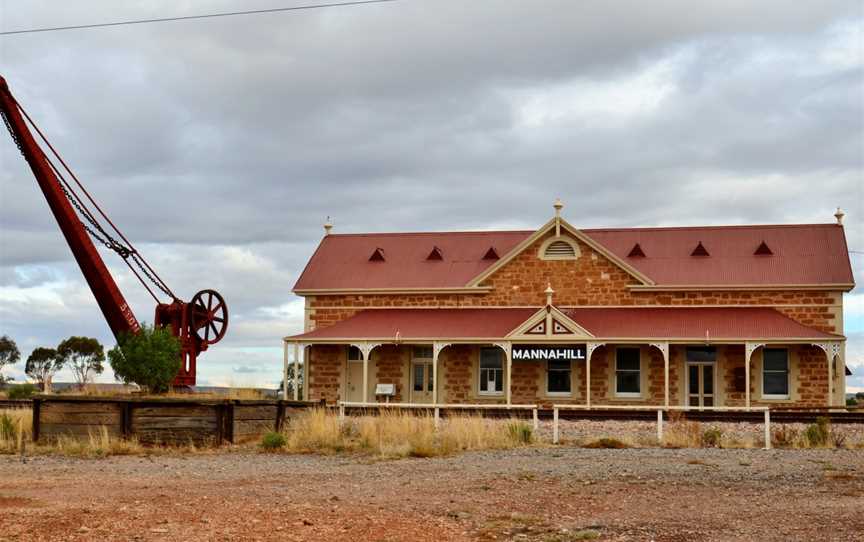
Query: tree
point(150, 358)
point(9, 354)
point(84, 355)
point(42, 364)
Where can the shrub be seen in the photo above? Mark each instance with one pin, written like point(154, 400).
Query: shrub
point(607, 443)
point(784, 436)
point(273, 441)
point(7, 428)
point(712, 437)
point(150, 358)
point(521, 432)
point(21, 391)
point(817, 434)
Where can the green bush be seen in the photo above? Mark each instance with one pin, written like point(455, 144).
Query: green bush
point(521, 432)
point(273, 441)
point(150, 358)
point(21, 391)
point(817, 434)
point(712, 437)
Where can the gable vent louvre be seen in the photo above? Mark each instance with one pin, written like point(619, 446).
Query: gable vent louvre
point(560, 249)
point(377, 256)
point(435, 255)
point(636, 252)
point(491, 254)
point(699, 250)
point(763, 250)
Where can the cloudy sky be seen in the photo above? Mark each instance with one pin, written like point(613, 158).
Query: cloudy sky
point(220, 146)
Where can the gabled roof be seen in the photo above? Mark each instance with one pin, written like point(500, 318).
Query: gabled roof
point(694, 324)
point(803, 255)
point(342, 260)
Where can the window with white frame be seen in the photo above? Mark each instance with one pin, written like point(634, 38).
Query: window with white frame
point(558, 380)
point(491, 371)
point(628, 372)
point(775, 373)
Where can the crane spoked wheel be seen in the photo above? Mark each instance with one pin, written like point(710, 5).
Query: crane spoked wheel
point(209, 316)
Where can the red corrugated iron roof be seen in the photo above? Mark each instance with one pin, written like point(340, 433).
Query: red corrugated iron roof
point(424, 324)
point(342, 260)
point(692, 323)
point(802, 254)
point(606, 323)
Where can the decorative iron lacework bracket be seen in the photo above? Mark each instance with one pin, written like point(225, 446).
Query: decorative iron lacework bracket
point(505, 346)
point(366, 348)
point(437, 348)
point(663, 348)
point(749, 348)
point(832, 349)
point(590, 348)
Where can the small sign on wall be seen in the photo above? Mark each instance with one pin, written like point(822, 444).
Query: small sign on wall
point(533, 352)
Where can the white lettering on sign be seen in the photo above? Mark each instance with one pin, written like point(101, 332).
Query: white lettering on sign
point(541, 352)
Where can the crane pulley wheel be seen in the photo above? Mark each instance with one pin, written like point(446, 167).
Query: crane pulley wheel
point(209, 316)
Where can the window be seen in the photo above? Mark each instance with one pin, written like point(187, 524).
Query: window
point(775, 373)
point(558, 377)
point(422, 352)
point(701, 353)
point(491, 371)
point(354, 354)
point(559, 248)
point(627, 372)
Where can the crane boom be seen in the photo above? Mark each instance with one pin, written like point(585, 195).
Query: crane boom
point(197, 324)
point(108, 296)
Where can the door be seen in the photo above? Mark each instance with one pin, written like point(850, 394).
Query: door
point(700, 384)
point(354, 382)
point(421, 382)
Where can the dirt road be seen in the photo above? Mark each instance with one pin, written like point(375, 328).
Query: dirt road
point(546, 494)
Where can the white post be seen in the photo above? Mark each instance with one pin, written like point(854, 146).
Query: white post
point(660, 426)
point(341, 413)
point(767, 429)
point(830, 357)
point(437, 417)
point(508, 353)
point(588, 379)
point(747, 382)
point(365, 353)
point(434, 375)
point(555, 425)
point(296, 371)
point(666, 378)
point(536, 419)
point(285, 369)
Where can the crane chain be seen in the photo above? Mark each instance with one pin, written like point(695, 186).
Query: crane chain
point(105, 238)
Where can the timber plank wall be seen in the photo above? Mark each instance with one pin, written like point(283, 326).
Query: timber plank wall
point(154, 420)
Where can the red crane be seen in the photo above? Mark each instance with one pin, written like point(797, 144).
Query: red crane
point(198, 323)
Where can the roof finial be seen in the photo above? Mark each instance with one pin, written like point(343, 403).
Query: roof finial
point(549, 292)
point(328, 225)
point(558, 206)
point(839, 216)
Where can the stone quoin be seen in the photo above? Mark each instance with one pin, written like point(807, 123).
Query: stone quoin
point(715, 316)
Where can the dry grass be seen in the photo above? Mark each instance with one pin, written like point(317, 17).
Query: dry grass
point(396, 434)
point(15, 429)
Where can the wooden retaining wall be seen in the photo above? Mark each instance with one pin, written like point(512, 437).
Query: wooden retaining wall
point(153, 420)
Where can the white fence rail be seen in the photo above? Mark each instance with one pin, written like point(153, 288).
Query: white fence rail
point(660, 410)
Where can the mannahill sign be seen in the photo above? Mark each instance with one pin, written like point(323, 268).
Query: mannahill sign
point(529, 352)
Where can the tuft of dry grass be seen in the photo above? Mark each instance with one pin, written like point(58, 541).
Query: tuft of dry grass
point(681, 433)
point(398, 434)
point(15, 429)
point(607, 443)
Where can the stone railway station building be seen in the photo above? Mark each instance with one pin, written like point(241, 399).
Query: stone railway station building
point(716, 316)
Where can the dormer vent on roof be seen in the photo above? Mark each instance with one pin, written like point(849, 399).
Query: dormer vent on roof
point(435, 255)
point(377, 256)
point(636, 252)
point(700, 250)
point(491, 254)
point(763, 250)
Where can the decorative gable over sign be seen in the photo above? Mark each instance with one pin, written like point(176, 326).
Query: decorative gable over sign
point(548, 322)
